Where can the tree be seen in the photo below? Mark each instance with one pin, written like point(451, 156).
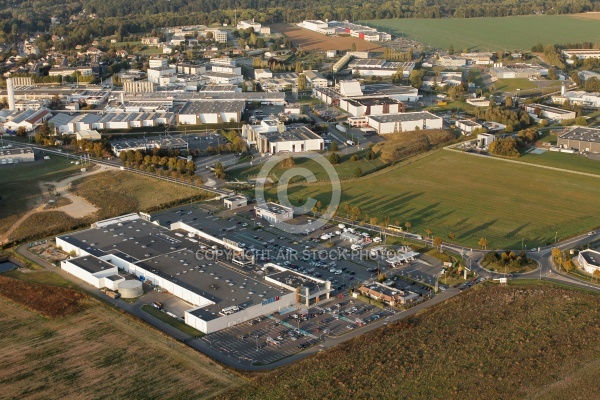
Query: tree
point(428, 232)
point(482, 243)
point(451, 49)
point(437, 241)
point(348, 209)
point(508, 101)
point(334, 158)
point(220, 171)
point(416, 78)
point(451, 235)
point(552, 73)
point(334, 146)
point(357, 172)
point(21, 131)
point(557, 256)
point(314, 211)
point(596, 274)
point(301, 82)
point(407, 225)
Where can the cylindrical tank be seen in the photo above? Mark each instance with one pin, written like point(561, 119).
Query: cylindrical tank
point(131, 289)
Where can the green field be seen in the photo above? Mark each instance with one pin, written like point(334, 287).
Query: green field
point(492, 34)
point(174, 322)
point(511, 85)
point(475, 197)
point(571, 162)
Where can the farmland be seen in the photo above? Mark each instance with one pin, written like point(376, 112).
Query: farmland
point(309, 40)
point(99, 353)
point(493, 34)
point(474, 197)
point(492, 342)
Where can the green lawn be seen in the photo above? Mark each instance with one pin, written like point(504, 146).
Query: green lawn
point(345, 169)
point(174, 322)
point(571, 162)
point(453, 106)
point(474, 197)
point(492, 34)
point(511, 85)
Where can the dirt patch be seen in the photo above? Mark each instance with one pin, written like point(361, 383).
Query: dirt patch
point(589, 15)
point(50, 301)
point(44, 224)
point(309, 40)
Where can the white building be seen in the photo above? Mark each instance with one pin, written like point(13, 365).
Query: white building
point(233, 202)
point(211, 112)
point(557, 114)
point(363, 106)
point(274, 213)
point(16, 155)
point(317, 26)
point(405, 122)
point(581, 54)
point(589, 260)
point(158, 63)
point(154, 74)
point(467, 126)
point(479, 102)
point(263, 73)
point(485, 139)
point(250, 24)
point(375, 67)
point(452, 61)
point(274, 137)
point(580, 97)
point(315, 79)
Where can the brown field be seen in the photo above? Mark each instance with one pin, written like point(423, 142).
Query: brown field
point(493, 342)
point(50, 301)
point(99, 353)
point(588, 15)
point(309, 40)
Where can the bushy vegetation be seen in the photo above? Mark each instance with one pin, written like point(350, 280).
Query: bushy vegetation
point(496, 342)
point(510, 146)
point(50, 301)
point(508, 261)
point(401, 145)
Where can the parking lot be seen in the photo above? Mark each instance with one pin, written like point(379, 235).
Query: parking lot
point(270, 338)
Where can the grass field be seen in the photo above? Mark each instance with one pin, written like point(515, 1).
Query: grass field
point(571, 162)
point(97, 354)
point(174, 322)
point(511, 85)
point(20, 186)
point(344, 170)
point(474, 197)
point(310, 41)
point(528, 341)
point(42, 277)
point(492, 34)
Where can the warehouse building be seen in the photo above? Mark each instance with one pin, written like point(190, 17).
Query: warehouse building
point(211, 112)
point(580, 138)
point(373, 67)
point(581, 54)
point(170, 143)
point(405, 122)
point(579, 97)
point(557, 114)
point(219, 294)
point(529, 71)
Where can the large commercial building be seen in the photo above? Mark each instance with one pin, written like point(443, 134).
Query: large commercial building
point(580, 138)
point(557, 114)
point(176, 258)
point(581, 54)
point(353, 90)
point(273, 212)
point(580, 97)
point(410, 121)
point(272, 136)
point(211, 112)
point(373, 67)
point(169, 143)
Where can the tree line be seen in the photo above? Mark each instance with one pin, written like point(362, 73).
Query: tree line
point(154, 163)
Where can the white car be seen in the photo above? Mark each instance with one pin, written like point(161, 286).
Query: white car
point(377, 239)
point(341, 226)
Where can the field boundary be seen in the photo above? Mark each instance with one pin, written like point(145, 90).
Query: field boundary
point(524, 163)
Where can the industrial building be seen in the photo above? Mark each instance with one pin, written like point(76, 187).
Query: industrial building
point(169, 143)
point(452, 61)
point(273, 212)
point(579, 97)
point(373, 67)
point(344, 28)
point(352, 89)
point(220, 294)
point(557, 114)
point(580, 138)
point(467, 126)
point(581, 54)
point(211, 112)
point(69, 124)
point(391, 123)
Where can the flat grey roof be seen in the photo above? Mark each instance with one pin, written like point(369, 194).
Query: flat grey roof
point(468, 122)
point(91, 264)
point(544, 107)
point(295, 280)
point(403, 117)
point(372, 101)
point(591, 257)
point(583, 134)
point(208, 107)
point(292, 133)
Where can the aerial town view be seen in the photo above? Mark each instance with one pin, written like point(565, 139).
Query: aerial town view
point(275, 200)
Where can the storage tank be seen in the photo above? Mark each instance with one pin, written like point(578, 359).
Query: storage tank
point(131, 289)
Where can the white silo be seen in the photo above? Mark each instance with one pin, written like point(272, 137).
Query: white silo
point(10, 90)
